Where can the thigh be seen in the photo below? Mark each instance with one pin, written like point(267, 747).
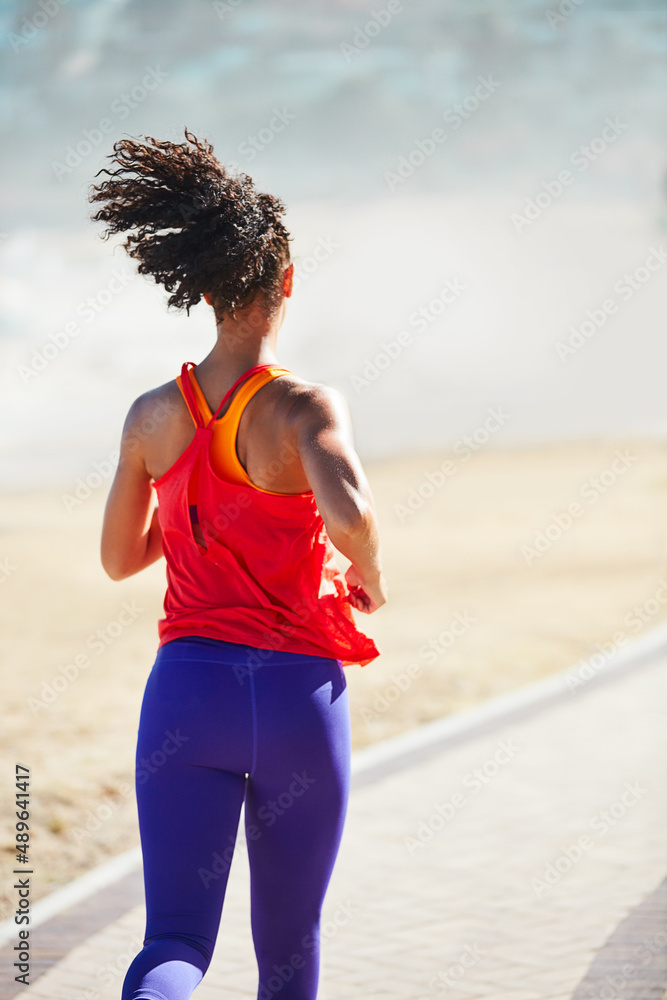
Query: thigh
point(193, 751)
point(188, 822)
point(298, 789)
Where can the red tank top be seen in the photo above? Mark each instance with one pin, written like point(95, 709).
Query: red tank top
point(267, 575)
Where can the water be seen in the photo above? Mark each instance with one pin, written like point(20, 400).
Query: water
point(351, 122)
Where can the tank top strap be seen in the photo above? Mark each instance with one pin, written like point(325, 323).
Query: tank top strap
point(185, 384)
point(188, 394)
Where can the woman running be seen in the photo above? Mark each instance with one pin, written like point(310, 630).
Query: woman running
point(256, 479)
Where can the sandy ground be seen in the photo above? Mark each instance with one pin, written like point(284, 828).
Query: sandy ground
point(480, 603)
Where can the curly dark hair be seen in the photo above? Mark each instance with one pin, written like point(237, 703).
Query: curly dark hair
point(194, 226)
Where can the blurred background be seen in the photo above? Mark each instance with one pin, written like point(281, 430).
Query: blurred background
point(326, 106)
point(477, 194)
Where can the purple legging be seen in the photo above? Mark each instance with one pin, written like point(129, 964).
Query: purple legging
point(222, 723)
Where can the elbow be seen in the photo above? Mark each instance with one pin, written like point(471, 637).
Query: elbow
point(355, 521)
point(116, 575)
point(114, 572)
point(114, 568)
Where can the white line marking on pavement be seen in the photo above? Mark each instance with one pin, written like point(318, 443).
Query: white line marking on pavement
point(384, 752)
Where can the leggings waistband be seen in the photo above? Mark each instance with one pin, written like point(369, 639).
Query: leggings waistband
point(242, 653)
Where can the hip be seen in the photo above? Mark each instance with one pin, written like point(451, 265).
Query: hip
point(228, 713)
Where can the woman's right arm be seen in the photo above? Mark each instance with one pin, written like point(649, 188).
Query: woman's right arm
point(321, 426)
point(131, 534)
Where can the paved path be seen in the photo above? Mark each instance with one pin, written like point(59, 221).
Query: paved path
point(525, 863)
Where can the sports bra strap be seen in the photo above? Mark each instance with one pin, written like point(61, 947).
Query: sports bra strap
point(190, 396)
point(250, 371)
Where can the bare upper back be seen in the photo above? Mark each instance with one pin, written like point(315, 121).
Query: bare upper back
point(162, 428)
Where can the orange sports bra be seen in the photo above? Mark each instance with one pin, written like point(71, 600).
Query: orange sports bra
point(223, 455)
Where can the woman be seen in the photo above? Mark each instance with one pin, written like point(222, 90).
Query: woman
point(255, 474)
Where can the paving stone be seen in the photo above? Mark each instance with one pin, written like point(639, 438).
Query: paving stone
point(472, 884)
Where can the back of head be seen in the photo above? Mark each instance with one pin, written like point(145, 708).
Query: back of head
point(194, 226)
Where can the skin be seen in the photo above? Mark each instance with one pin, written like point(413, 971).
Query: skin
point(308, 422)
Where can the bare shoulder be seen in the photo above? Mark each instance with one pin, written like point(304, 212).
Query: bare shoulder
point(154, 409)
point(314, 405)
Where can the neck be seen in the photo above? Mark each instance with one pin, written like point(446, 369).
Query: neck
point(243, 341)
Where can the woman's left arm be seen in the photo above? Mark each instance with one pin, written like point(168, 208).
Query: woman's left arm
point(131, 535)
